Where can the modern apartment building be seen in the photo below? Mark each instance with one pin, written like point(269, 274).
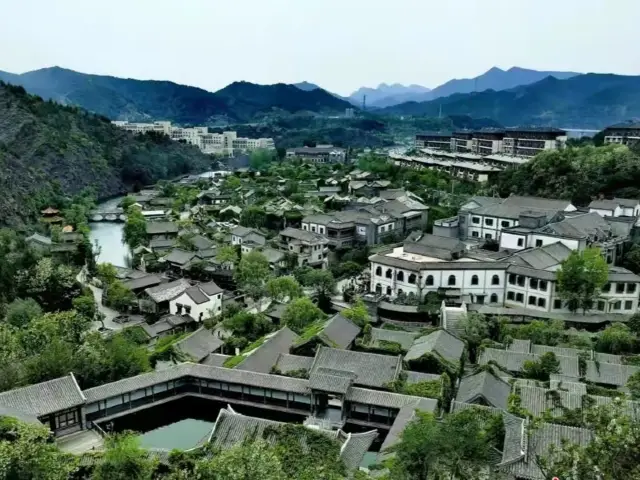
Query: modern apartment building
point(528, 142)
point(461, 141)
point(434, 140)
point(487, 141)
point(225, 143)
point(319, 154)
point(626, 133)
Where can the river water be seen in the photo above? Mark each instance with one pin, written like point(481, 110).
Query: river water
point(109, 237)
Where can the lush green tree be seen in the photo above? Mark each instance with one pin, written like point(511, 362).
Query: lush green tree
point(541, 332)
point(281, 288)
point(581, 277)
point(323, 284)
point(301, 313)
point(249, 326)
point(27, 453)
point(252, 274)
point(617, 339)
point(124, 459)
point(633, 384)
point(134, 232)
point(251, 461)
point(231, 183)
point(107, 273)
point(86, 306)
point(357, 313)
point(52, 285)
point(261, 159)
point(127, 202)
point(20, 312)
point(631, 259)
point(227, 255)
point(118, 296)
point(253, 217)
point(474, 329)
point(634, 324)
point(542, 368)
point(611, 454)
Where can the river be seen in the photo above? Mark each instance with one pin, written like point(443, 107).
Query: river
point(109, 237)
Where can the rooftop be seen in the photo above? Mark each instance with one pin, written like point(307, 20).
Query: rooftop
point(44, 398)
point(167, 291)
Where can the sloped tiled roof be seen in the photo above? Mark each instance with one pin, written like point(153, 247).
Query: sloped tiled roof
point(371, 370)
point(210, 288)
point(157, 228)
point(339, 332)
point(200, 343)
point(522, 346)
point(196, 295)
point(405, 339)
point(514, 361)
point(179, 256)
point(44, 398)
point(288, 363)
point(609, 373)
point(167, 291)
point(440, 341)
point(263, 358)
point(417, 377)
point(215, 360)
point(486, 386)
point(331, 380)
point(543, 257)
point(142, 282)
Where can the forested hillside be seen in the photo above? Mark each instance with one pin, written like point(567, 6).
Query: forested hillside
point(48, 150)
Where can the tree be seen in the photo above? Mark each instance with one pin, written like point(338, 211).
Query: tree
point(282, 288)
point(323, 284)
point(634, 324)
point(249, 326)
point(27, 452)
point(231, 183)
point(52, 285)
point(633, 384)
point(357, 313)
point(119, 297)
point(631, 259)
point(260, 159)
point(124, 459)
point(581, 278)
point(227, 255)
point(611, 453)
point(474, 329)
point(301, 313)
point(253, 217)
point(135, 228)
point(617, 339)
point(127, 202)
point(20, 312)
point(542, 368)
point(86, 306)
point(248, 461)
point(541, 332)
point(107, 273)
point(252, 273)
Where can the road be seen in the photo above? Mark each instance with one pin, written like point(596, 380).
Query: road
point(109, 313)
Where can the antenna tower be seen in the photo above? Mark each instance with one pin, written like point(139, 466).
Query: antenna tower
point(364, 103)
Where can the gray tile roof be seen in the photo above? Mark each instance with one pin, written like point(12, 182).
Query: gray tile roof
point(514, 361)
point(161, 243)
point(486, 386)
point(288, 363)
point(371, 370)
point(532, 272)
point(210, 288)
point(331, 380)
point(232, 429)
point(609, 373)
point(36, 237)
point(179, 257)
point(18, 415)
point(440, 341)
point(558, 383)
point(272, 255)
point(142, 282)
point(514, 205)
point(44, 398)
point(604, 204)
point(417, 377)
point(201, 243)
point(215, 360)
point(167, 291)
point(339, 332)
point(196, 295)
point(565, 351)
point(388, 399)
point(157, 228)
point(263, 358)
point(405, 339)
point(542, 257)
point(303, 235)
point(522, 346)
point(588, 225)
point(201, 343)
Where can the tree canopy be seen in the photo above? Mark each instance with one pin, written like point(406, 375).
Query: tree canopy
point(581, 277)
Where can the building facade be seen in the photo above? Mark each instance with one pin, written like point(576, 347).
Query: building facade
point(627, 133)
point(319, 154)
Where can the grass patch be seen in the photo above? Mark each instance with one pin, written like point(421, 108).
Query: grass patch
point(233, 361)
point(311, 331)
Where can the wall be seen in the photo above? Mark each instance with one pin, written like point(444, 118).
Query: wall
point(214, 303)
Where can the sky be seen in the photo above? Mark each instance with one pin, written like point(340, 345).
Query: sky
point(340, 45)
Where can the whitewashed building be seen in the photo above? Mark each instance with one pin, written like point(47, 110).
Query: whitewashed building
point(198, 301)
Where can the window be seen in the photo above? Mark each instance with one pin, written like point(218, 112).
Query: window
point(521, 242)
point(511, 296)
point(378, 288)
point(494, 298)
point(389, 273)
point(619, 287)
point(495, 280)
point(521, 280)
point(388, 290)
point(557, 304)
point(412, 278)
point(542, 302)
point(628, 305)
point(305, 226)
point(429, 281)
point(400, 292)
point(474, 280)
point(488, 222)
point(532, 300)
point(400, 276)
point(631, 287)
point(313, 229)
point(66, 419)
point(606, 288)
point(379, 271)
point(475, 234)
point(601, 305)
point(505, 224)
point(533, 283)
point(187, 309)
point(538, 243)
point(616, 305)
point(488, 236)
point(475, 219)
point(512, 279)
point(452, 280)
point(520, 297)
point(542, 285)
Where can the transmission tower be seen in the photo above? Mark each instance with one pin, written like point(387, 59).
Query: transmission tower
point(364, 103)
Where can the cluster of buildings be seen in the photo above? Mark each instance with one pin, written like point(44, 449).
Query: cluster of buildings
point(225, 143)
point(319, 154)
point(530, 239)
point(625, 133)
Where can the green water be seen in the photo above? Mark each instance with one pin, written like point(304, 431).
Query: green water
point(183, 435)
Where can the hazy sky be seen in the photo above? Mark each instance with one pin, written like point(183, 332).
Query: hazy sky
point(338, 44)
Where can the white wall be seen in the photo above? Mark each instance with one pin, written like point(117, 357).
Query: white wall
point(214, 304)
point(547, 240)
point(510, 241)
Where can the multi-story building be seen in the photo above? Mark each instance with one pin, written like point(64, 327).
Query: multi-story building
point(461, 165)
point(487, 141)
point(434, 140)
point(310, 248)
point(225, 143)
point(616, 207)
point(319, 154)
point(461, 141)
point(525, 279)
point(626, 133)
point(528, 142)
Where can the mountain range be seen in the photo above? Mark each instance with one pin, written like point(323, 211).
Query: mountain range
point(582, 101)
point(140, 100)
point(494, 79)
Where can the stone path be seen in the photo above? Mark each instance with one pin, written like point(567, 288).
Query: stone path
point(109, 313)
